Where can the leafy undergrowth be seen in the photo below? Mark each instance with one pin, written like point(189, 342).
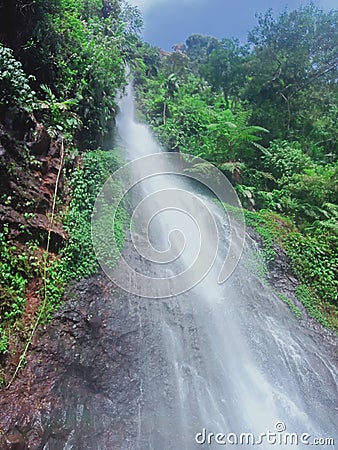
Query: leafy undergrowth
point(313, 258)
point(17, 268)
point(21, 264)
point(78, 257)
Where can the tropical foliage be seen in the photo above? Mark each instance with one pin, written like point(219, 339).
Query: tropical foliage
point(62, 70)
point(265, 114)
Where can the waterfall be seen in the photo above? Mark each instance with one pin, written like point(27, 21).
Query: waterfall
point(219, 359)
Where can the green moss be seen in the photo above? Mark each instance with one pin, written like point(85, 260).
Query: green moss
point(312, 305)
point(256, 264)
point(291, 305)
point(313, 258)
point(264, 229)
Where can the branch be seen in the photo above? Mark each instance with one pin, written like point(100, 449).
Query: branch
point(314, 77)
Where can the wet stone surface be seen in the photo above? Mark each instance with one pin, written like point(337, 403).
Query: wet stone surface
point(80, 388)
point(105, 364)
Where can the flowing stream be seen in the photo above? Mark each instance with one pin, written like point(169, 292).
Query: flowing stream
point(226, 358)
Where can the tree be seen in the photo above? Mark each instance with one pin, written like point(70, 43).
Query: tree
point(199, 47)
point(224, 68)
point(176, 62)
point(293, 56)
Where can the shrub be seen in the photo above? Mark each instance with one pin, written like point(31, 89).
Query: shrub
point(14, 84)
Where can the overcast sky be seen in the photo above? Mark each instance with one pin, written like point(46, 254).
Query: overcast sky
point(169, 22)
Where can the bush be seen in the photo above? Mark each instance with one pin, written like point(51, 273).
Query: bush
point(14, 84)
point(285, 158)
point(315, 260)
point(78, 257)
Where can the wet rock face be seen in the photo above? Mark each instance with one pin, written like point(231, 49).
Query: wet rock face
point(29, 165)
point(14, 440)
point(84, 383)
point(80, 388)
point(280, 274)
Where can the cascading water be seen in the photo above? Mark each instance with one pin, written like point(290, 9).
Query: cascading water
point(194, 350)
point(221, 358)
